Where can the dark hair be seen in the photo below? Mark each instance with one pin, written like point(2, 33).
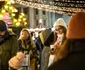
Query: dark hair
point(3, 26)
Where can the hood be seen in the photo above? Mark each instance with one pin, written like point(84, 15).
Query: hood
point(60, 22)
point(46, 37)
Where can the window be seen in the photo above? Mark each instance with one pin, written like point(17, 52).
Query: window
point(44, 22)
point(36, 11)
point(25, 10)
point(44, 12)
point(19, 9)
point(37, 22)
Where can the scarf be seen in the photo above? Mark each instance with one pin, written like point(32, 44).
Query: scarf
point(5, 37)
point(59, 39)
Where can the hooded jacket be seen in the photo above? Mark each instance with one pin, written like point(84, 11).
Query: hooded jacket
point(46, 41)
point(8, 48)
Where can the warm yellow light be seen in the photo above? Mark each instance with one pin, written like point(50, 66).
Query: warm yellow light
point(11, 8)
point(24, 19)
point(15, 20)
point(13, 14)
point(6, 0)
point(9, 2)
point(1, 16)
point(6, 6)
point(22, 14)
point(12, 1)
point(18, 0)
point(25, 23)
point(17, 24)
point(3, 11)
point(15, 10)
point(19, 19)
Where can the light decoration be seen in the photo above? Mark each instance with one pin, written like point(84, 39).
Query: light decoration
point(2, 0)
point(1, 16)
point(21, 19)
point(57, 6)
point(8, 8)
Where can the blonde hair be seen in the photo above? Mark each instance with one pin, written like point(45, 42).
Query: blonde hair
point(63, 50)
point(30, 37)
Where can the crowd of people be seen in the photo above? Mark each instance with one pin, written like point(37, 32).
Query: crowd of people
point(60, 49)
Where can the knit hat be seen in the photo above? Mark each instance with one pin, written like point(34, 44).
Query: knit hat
point(3, 26)
point(60, 22)
point(76, 26)
point(16, 61)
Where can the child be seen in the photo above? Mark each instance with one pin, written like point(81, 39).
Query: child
point(15, 63)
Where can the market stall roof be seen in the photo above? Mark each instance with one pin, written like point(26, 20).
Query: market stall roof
point(40, 25)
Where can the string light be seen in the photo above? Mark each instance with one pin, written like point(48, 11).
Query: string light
point(1, 16)
point(3, 11)
point(2, 0)
point(63, 6)
point(56, 6)
point(11, 10)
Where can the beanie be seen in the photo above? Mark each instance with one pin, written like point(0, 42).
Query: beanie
point(60, 22)
point(76, 26)
point(3, 26)
point(16, 61)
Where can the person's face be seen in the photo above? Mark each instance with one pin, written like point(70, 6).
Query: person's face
point(24, 35)
point(2, 34)
point(59, 30)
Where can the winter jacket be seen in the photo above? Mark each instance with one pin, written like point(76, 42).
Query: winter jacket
point(75, 60)
point(45, 58)
point(30, 52)
point(44, 37)
point(8, 48)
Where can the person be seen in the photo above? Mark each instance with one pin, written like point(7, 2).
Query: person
point(28, 47)
point(46, 37)
point(15, 63)
point(8, 45)
point(71, 55)
point(60, 29)
point(59, 37)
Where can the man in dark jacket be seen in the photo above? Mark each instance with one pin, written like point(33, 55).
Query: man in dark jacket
point(72, 54)
point(8, 46)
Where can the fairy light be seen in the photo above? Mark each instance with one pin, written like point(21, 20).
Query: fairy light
point(59, 6)
point(12, 1)
point(25, 23)
point(11, 8)
point(1, 16)
point(2, 0)
point(18, 23)
point(19, 20)
point(22, 14)
point(15, 20)
point(13, 14)
point(15, 10)
point(3, 11)
point(24, 19)
point(7, 7)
